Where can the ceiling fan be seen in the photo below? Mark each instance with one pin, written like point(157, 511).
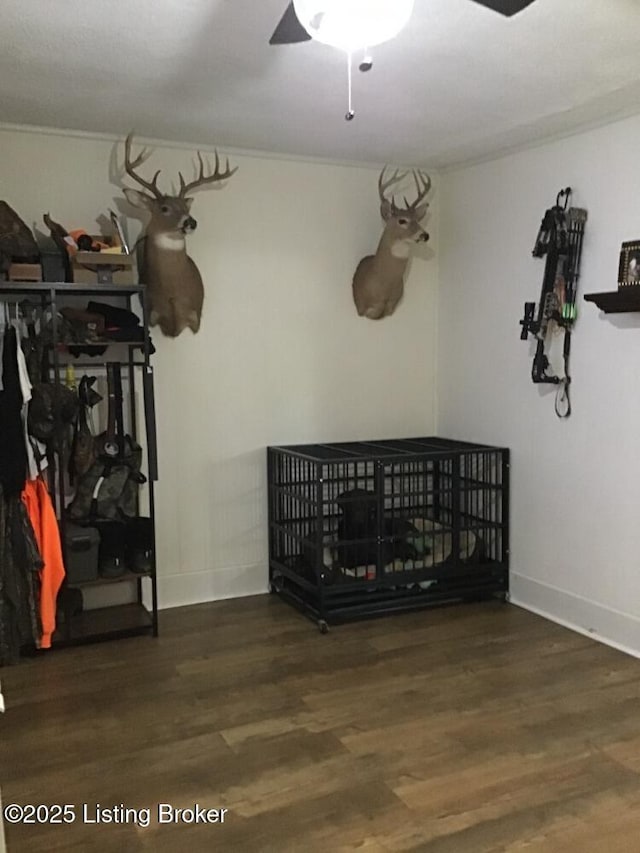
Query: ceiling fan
point(291, 31)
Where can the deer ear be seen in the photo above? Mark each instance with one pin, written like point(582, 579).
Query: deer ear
point(188, 202)
point(386, 210)
point(421, 211)
point(137, 199)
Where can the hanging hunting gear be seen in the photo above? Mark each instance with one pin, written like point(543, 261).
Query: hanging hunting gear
point(83, 447)
point(109, 487)
point(560, 239)
point(107, 492)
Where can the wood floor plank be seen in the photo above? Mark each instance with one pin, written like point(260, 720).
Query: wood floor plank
point(471, 729)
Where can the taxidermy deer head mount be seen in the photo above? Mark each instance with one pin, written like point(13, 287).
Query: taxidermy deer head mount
point(378, 283)
point(174, 285)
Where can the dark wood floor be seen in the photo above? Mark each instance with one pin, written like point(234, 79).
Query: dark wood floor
point(473, 728)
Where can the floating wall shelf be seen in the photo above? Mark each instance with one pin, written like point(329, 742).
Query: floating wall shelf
point(616, 301)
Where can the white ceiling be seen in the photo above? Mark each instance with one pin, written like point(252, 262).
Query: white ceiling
point(459, 83)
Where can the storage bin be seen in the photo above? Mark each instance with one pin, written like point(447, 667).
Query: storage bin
point(103, 267)
point(81, 546)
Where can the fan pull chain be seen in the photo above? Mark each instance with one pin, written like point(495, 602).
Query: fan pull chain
point(350, 112)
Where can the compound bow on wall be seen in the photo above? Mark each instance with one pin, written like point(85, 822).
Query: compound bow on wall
point(560, 240)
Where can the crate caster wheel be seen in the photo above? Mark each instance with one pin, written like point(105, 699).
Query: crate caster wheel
point(323, 627)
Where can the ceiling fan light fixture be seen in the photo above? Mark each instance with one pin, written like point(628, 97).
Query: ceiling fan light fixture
point(352, 25)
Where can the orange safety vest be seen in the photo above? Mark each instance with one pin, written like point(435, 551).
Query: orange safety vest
point(45, 526)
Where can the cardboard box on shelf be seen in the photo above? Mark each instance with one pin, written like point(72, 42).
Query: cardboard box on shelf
point(25, 272)
point(107, 267)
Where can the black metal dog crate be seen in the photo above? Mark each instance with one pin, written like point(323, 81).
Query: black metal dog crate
point(375, 527)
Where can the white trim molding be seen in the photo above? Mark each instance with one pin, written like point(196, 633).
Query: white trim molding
point(608, 626)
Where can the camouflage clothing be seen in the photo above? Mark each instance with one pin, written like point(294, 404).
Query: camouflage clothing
point(118, 492)
point(20, 563)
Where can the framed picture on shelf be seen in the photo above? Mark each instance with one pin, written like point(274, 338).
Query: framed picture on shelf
point(629, 266)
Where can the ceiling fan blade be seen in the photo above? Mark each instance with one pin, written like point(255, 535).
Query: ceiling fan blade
point(505, 7)
point(289, 30)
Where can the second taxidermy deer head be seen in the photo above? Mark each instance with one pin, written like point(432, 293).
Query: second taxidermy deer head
point(378, 283)
point(174, 285)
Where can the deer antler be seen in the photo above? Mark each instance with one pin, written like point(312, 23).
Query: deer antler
point(423, 185)
point(131, 166)
point(206, 179)
point(383, 185)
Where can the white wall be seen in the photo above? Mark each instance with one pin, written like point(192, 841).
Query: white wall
point(281, 355)
point(575, 495)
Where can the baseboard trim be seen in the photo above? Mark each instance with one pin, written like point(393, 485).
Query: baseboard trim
point(212, 585)
point(612, 627)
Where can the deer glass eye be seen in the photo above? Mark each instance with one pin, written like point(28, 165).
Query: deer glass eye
point(165, 208)
point(402, 221)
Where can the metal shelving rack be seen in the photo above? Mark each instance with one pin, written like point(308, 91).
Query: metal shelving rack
point(120, 620)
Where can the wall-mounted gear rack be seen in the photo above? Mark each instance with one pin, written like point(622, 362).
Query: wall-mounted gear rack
point(139, 615)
